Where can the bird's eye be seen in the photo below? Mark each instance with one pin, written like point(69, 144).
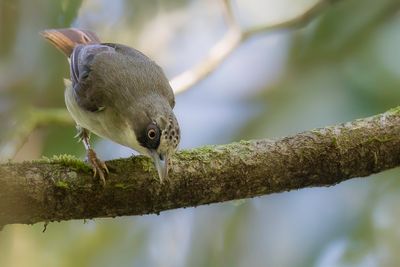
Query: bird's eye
point(151, 134)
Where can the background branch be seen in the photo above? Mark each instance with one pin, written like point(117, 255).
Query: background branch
point(234, 37)
point(32, 119)
point(63, 188)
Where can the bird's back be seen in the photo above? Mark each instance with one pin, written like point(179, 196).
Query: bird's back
point(98, 69)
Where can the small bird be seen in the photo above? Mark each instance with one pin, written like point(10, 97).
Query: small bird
point(117, 93)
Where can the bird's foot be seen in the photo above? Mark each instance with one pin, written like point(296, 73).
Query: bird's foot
point(98, 166)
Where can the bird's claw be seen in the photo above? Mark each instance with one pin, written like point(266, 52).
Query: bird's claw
point(98, 166)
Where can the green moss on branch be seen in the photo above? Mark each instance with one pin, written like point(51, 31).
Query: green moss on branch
point(63, 187)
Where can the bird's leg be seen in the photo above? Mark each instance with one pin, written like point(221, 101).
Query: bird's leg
point(98, 166)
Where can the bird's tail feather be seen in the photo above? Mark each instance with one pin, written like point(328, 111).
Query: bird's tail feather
point(66, 39)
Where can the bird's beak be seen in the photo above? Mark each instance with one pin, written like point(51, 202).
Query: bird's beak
point(161, 163)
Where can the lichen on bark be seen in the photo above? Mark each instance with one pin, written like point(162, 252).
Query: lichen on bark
point(62, 188)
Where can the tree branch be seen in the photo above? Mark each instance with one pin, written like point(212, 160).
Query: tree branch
point(234, 37)
point(297, 21)
point(63, 188)
point(33, 118)
point(217, 54)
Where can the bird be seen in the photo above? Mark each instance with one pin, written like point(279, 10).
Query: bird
point(118, 93)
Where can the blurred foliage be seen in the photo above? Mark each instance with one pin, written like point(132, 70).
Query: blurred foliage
point(338, 67)
point(343, 66)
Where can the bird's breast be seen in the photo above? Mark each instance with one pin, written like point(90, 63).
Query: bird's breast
point(106, 123)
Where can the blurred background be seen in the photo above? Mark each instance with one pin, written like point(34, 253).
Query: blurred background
point(342, 66)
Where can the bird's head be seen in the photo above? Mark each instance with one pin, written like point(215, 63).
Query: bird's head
point(159, 138)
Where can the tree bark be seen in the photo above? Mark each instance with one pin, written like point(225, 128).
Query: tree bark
point(63, 188)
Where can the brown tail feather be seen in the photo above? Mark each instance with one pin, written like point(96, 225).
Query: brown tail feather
point(66, 39)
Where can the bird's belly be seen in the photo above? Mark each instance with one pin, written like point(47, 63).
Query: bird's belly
point(85, 119)
point(101, 123)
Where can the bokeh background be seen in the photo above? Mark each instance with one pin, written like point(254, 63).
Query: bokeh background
point(342, 66)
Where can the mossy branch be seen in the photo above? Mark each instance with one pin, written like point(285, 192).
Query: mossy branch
point(63, 188)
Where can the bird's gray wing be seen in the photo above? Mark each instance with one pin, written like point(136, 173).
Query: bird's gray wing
point(87, 95)
point(100, 72)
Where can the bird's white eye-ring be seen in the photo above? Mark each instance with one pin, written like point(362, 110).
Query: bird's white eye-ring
point(152, 134)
